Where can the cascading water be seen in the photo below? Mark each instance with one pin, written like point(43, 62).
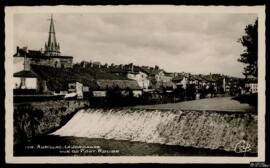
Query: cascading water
point(212, 130)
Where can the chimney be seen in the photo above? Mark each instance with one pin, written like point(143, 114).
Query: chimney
point(25, 49)
point(17, 51)
point(132, 67)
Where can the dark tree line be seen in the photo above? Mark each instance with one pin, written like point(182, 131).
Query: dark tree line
point(250, 54)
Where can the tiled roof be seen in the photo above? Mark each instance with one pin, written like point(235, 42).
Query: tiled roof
point(58, 78)
point(36, 54)
point(169, 74)
point(46, 72)
point(30, 54)
point(121, 84)
point(179, 77)
point(101, 73)
point(165, 85)
point(24, 73)
point(196, 77)
point(57, 84)
point(151, 71)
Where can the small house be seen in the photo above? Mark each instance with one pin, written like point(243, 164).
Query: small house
point(76, 87)
point(25, 82)
point(114, 86)
point(141, 78)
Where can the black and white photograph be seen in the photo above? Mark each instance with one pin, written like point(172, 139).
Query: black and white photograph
point(135, 84)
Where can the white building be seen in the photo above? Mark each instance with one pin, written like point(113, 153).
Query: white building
point(252, 87)
point(141, 78)
point(76, 87)
point(25, 80)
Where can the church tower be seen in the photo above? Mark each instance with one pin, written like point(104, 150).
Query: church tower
point(52, 48)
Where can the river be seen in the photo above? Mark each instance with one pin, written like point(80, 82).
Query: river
point(139, 132)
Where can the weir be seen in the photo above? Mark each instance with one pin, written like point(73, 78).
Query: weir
point(199, 129)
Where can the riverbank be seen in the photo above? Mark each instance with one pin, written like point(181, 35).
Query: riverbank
point(38, 118)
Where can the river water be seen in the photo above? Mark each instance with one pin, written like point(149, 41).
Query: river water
point(79, 146)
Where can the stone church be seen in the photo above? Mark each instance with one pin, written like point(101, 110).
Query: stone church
point(51, 56)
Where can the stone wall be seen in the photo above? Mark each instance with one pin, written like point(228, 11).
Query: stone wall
point(38, 118)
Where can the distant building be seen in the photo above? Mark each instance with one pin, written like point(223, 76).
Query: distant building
point(59, 81)
point(105, 84)
point(76, 87)
point(132, 72)
point(69, 82)
point(159, 78)
point(25, 80)
point(251, 85)
point(23, 57)
point(141, 78)
point(181, 80)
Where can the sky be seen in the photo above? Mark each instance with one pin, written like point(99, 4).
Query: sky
point(177, 42)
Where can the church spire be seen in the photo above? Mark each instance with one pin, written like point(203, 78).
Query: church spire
point(52, 48)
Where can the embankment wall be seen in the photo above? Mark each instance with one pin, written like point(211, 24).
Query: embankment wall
point(38, 118)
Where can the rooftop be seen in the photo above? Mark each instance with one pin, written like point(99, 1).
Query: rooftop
point(58, 79)
point(25, 73)
point(121, 84)
point(23, 52)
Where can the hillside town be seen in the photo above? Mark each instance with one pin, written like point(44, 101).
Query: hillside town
point(46, 74)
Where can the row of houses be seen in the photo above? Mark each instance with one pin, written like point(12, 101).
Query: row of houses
point(89, 81)
point(69, 82)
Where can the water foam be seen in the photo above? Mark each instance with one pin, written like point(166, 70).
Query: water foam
point(213, 130)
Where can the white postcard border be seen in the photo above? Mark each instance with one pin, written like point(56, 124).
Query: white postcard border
point(9, 43)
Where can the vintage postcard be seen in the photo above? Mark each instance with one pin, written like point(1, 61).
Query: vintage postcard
point(135, 84)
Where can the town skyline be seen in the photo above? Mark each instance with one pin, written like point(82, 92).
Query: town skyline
point(122, 39)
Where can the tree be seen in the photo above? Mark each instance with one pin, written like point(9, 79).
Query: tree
point(250, 54)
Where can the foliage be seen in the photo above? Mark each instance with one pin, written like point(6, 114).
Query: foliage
point(250, 54)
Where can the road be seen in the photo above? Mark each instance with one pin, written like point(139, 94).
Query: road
point(213, 104)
